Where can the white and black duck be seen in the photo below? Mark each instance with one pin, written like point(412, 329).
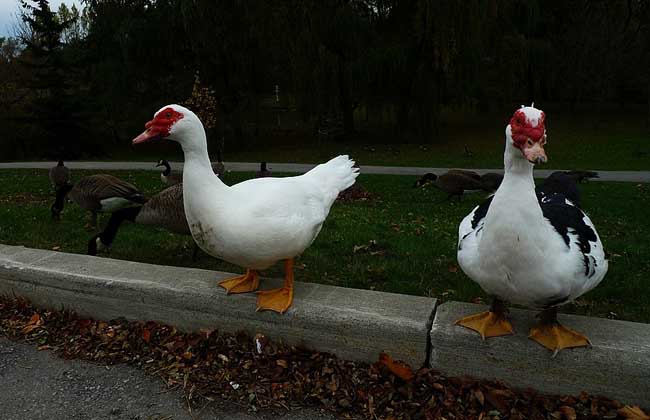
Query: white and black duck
point(536, 249)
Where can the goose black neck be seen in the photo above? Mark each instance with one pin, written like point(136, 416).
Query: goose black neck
point(59, 201)
point(168, 168)
point(110, 231)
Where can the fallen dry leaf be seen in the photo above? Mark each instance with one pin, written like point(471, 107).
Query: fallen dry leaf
point(34, 322)
point(250, 371)
point(633, 413)
point(478, 394)
point(569, 413)
point(399, 369)
point(282, 363)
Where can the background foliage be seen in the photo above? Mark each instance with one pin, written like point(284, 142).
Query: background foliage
point(80, 83)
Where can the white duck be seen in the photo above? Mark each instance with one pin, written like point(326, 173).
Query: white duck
point(254, 223)
point(537, 250)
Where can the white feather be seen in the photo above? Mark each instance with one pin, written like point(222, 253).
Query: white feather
point(514, 253)
point(260, 221)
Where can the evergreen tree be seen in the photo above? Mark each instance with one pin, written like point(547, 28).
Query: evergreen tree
point(54, 121)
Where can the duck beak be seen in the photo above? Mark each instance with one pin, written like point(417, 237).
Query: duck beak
point(146, 136)
point(535, 153)
point(150, 134)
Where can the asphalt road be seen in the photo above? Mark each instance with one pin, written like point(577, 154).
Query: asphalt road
point(37, 385)
point(620, 176)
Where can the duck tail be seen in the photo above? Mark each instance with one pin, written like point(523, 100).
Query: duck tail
point(336, 175)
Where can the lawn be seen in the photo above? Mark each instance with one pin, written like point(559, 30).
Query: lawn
point(602, 142)
point(400, 240)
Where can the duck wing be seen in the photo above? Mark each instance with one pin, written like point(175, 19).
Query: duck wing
point(580, 237)
point(469, 237)
point(560, 183)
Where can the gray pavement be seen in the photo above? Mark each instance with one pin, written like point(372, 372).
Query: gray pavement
point(37, 385)
point(619, 176)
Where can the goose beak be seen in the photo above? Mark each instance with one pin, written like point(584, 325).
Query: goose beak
point(535, 153)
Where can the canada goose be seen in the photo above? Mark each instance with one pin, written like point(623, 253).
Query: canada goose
point(168, 177)
point(582, 176)
point(491, 181)
point(426, 179)
point(164, 209)
point(59, 175)
point(263, 172)
point(454, 183)
point(98, 193)
point(469, 174)
point(219, 168)
point(468, 153)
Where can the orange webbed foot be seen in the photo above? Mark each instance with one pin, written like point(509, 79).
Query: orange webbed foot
point(245, 283)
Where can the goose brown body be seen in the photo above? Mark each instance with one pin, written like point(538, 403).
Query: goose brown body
point(164, 209)
point(59, 175)
point(98, 193)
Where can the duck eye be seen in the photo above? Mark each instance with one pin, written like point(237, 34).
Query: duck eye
point(168, 114)
point(529, 142)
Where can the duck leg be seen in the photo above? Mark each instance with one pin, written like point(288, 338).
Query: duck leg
point(552, 335)
point(492, 323)
point(278, 300)
point(245, 283)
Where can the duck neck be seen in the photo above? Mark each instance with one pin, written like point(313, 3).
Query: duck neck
point(515, 201)
point(517, 169)
point(197, 168)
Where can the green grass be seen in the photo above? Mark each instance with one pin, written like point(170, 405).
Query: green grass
point(603, 142)
point(412, 239)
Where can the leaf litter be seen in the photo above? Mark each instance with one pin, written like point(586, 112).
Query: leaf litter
point(259, 374)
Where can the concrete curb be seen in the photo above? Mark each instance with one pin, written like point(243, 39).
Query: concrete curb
point(616, 176)
point(617, 366)
point(353, 324)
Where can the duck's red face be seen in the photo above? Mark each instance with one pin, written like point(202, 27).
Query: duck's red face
point(529, 134)
point(160, 127)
